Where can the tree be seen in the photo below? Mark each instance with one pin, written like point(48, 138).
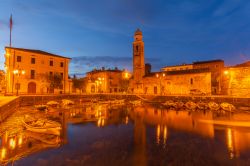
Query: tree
point(124, 85)
point(53, 81)
point(79, 83)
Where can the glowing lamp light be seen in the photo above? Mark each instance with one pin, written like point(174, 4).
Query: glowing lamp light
point(15, 71)
point(12, 143)
point(157, 75)
point(163, 74)
point(3, 153)
point(20, 140)
point(226, 72)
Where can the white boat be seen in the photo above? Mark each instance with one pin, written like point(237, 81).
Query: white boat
point(42, 126)
point(66, 102)
point(136, 102)
point(202, 105)
point(170, 104)
point(227, 107)
point(52, 103)
point(213, 106)
point(179, 104)
point(190, 105)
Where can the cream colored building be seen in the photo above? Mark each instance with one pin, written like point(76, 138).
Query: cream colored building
point(27, 71)
point(173, 80)
point(177, 67)
point(236, 80)
point(107, 81)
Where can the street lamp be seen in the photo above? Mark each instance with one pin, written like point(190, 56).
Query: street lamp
point(18, 73)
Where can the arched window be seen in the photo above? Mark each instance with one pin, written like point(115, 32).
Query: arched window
point(137, 48)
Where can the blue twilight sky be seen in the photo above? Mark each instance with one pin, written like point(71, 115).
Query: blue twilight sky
point(98, 33)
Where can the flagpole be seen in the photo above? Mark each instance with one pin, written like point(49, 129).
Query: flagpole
point(10, 28)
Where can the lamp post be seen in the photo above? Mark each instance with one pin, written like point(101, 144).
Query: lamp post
point(160, 77)
point(18, 73)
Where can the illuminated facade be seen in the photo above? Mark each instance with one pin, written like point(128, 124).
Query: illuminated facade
point(178, 67)
point(178, 80)
point(236, 80)
point(107, 81)
point(27, 70)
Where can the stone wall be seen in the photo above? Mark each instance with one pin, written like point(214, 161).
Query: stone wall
point(236, 81)
point(179, 84)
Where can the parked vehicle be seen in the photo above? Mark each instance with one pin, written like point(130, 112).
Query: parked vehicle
point(196, 92)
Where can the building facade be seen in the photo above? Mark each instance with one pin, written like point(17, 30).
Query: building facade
point(107, 81)
point(28, 71)
point(174, 80)
point(178, 67)
point(216, 67)
point(236, 80)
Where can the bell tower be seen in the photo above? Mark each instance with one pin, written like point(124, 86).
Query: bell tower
point(138, 57)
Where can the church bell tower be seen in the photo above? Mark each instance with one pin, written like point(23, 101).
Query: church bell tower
point(138, 57)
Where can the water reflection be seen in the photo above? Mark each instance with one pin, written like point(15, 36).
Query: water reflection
point(148, 123)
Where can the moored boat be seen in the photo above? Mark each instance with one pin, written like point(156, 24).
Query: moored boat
point(66, 102)
point(179, 104)
point(227, 107)
point(52, 103)
point(136, 102)
point(41, 107)
point(170, 104)
point(213, 106)
point(202, 105)
point(42, 126)
point(190, 105)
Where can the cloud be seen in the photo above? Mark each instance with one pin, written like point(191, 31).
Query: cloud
point(83, 64)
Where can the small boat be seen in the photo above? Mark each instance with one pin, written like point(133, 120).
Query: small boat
point(202, 105)
point(52, 104)
point(136, 102)
point(191, 105)
point(227, 107)
point(41, 107)
point(66, 102)
point(42, 126)
point(170, 104)
point(213, 106)
point(179, 104)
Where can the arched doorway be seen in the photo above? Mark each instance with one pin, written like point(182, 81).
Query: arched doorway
point(32, 87)
point(92, 88)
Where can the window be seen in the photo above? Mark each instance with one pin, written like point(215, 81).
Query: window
point(137, 48)
point(51, 62)
point(191, 81)
point(61, 64)
point(18, 58)
point(62, 75)
point(33, 60)
point(50, 73)
point(32, 74)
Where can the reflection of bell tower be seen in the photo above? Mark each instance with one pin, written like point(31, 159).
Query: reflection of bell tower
point(138, 57)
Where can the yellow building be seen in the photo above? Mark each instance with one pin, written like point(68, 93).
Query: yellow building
point(175, 80)
point(107, 81)
point(27, 71)
point(177, 67)
point(236, 80)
